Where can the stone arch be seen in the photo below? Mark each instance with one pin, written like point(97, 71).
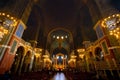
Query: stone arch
point(58, 50)
point(66, 30)
point(18, 59)
point(66, 42)
point(60, 55)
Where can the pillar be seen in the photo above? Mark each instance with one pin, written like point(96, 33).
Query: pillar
point(21, 64)
point(56, 62)
point(63, 62)
point(17, 65)
point(31, 62)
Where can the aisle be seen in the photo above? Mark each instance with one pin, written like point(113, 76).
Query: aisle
point(55, 75)
point(59, 76)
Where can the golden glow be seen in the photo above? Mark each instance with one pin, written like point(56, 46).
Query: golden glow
point(80, 50)
point(105, 19)
point(103, 23)
point(8, 15)
point(3, 30)
point(62, 37)
point(73, 56)
point(45, 56)
point(113, 15)
point(115, 32)
point(40, 49)
point(54, 36)
point(11, 18)
point(66, 36)
point(3, 14)
point(117, 36)
point(111, 33)
point(118, 21)
point(37, 55)
point(117, 28)
point(118, 15)
point(72, 61)
point(47, 60)
point(58, 37)
point(109, 17)
point(81, 56)
point(14, 20)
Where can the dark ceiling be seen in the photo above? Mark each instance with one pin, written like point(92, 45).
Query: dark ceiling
point(73, 15)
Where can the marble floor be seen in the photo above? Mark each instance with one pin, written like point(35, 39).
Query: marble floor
point(59, 76)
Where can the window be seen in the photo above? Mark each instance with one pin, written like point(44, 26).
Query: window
point(104, 45)
point(13, 46)
point(19, 30)
point(110, 24)
point(99, 32)
point(5, 32)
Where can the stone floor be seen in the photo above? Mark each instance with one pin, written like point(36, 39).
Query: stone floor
point(53, 75)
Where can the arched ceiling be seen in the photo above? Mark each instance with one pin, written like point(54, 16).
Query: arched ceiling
point(71, 15)
point(59, 13)
point(60, 50)
point(76, 16)
point(59, 39)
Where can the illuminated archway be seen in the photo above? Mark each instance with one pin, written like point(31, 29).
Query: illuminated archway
point(61, 38)
point(60, 58)
point(57, 29)
point(18, 60)
point(26, 63)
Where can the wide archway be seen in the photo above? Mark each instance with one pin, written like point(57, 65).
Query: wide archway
point(18, 60)
point(26, 62)
point(60, 58)
point(61, 38)
point(59, 45)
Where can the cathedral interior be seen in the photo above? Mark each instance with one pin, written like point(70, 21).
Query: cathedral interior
point(75, 39)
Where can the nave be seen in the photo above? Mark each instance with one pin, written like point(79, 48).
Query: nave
point(54, 75)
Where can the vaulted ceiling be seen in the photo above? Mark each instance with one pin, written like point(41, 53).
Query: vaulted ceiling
point(50, 21)
point(50, 18)
point(75, 16)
